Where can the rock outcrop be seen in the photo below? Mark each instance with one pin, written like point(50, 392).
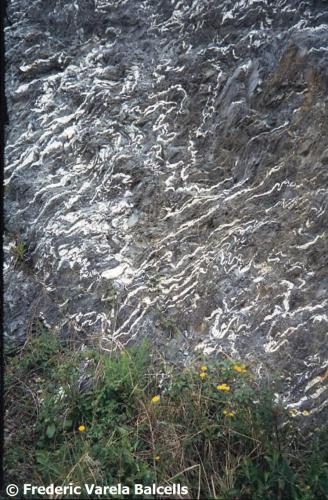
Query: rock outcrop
point(167, 171)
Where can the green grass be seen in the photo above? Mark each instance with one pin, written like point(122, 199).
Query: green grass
point(19, 251)
point(224, 444)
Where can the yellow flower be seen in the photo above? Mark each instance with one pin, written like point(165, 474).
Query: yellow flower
point(223, 387)
point(293, 412)
point(155, 399)
point(157, 457)
point(229, 413)
point(203, 368)
point(239, 367)
point(203, 375)
point(82, 428)
point(305, 413)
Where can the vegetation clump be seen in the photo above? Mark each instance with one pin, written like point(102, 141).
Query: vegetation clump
point(90, 417)
point(19, 251)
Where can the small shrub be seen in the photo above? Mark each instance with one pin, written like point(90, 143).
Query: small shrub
point(19, 251)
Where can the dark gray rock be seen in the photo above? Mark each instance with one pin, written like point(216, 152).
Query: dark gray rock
point(167, 167)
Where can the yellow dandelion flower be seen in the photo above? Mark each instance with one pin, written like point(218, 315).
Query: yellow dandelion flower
point(82, 428)
point(155, 399)
point(293, 412)
point(229, 413)
point(203, 368)
point(306, 413)
point(239, 367)
point(157, 457)
point(223, 387)
point(203, 375)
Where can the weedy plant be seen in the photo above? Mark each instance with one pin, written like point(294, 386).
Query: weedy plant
point(19, 251)
point(88, 416)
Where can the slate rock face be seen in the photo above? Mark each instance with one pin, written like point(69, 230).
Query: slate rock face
point(167, 169)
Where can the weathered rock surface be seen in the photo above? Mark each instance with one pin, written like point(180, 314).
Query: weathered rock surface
point(167, 169)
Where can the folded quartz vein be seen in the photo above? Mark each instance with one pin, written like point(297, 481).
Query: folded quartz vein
point(167, 172)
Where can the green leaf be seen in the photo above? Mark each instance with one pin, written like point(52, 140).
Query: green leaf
point(50, 432)
point(41, 457)
point(68, 423)
point(281, 484)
